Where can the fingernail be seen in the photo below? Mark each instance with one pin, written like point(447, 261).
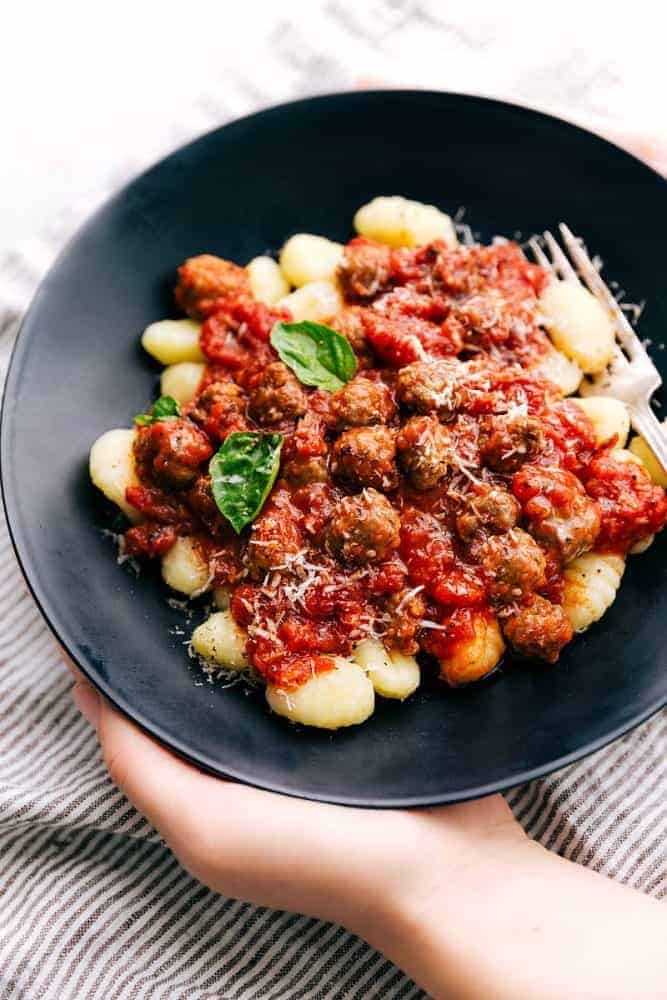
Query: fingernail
point(87, 700)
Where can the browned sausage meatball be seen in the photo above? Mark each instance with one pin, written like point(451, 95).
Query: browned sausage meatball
point(365, 269)
point(363, 529)
point(169, 453)
point(514, 564)
point(200, 499)
point(361, 403)
point(558, 512)
point(429, 386)
point(275, 536)
point(490, 508)
point(506, 442)
point(301, 470)
point(205, 279)
point(365, 456)
point(424, 451)
point(539, 629)
point(350, 324)
point(404, 612)
point(278, 396)
point(220, 410)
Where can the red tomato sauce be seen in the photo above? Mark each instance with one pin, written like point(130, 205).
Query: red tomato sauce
point(449, 350)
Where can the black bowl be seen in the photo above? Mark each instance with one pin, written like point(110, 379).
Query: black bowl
point(78, 370)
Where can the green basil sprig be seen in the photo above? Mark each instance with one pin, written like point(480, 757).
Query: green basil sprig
point(243, 471)
point(162, 409)
point(317, 355)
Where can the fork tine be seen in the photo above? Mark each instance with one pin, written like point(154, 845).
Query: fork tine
point(539, 254)
point(561, 262)
point(596, 285)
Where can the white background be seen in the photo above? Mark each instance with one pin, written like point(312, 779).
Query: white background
point(93, 92)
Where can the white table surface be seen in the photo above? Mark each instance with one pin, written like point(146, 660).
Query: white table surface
point(88, 95)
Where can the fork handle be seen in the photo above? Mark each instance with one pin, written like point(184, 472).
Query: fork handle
point(645, 422)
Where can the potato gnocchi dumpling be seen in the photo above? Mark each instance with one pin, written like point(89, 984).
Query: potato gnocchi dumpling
point(171, 341)
point(181, 381)
point(221, 642)
point(400, 222)
point(340, 697)
point(578, 325)
point(317, 301)
point(561, 370)
point(267, 281)
point(112, 468)
point(591, 582)
point(306, 258)
point(610, 418)
point(184, 568)
point(393, 674)
point(641, 450)
point(474, 658)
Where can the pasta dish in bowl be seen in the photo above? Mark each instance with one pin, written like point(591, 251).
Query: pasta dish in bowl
point(368, 451)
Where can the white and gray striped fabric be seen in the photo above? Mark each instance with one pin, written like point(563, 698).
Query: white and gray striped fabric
point(93, 905)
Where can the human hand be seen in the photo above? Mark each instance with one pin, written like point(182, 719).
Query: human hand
point(457, 896)
point(339, 863)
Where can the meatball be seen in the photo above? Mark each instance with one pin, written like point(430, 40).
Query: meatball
point(275, 537)
point(514, 564)
point(349, 322)
point(365, 456)
point(558, 512)
point(200, 500)
point(169, 453)
point(506, 442)
point(205, 279)
point(362, 403)
point(301, 470)
point(363, 529)
point(220, 410)
point(278, 396)
point(539, 630)
point(429, 386)
point(365, 270)
point(424, 451)
point(404, 612)
point(490, 508)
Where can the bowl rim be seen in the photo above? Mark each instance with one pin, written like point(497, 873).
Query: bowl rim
point(59, 629)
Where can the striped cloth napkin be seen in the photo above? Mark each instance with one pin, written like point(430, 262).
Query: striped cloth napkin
point(95, 906)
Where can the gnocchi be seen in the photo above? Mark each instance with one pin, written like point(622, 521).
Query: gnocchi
point(221, 642)
point(184, 568)
point(610, 418)
point(641, 450)
point(578, 325)
point(267, 281)
point(317, 301)
point(172, 341)
point(561, 370)
point(591, 582)
point(393, 674)
point(112, 468)
point(181, 381)
point(400, 222)
point(340, 697)
point(474, 658)
point(306, 258)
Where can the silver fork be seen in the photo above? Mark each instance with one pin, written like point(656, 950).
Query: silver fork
point(631, 377)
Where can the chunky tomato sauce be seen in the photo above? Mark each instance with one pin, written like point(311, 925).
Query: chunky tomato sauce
point(449, 482)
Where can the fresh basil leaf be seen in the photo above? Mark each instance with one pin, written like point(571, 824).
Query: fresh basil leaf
point(162, 409)
point(243, 471)
point(316, 354)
